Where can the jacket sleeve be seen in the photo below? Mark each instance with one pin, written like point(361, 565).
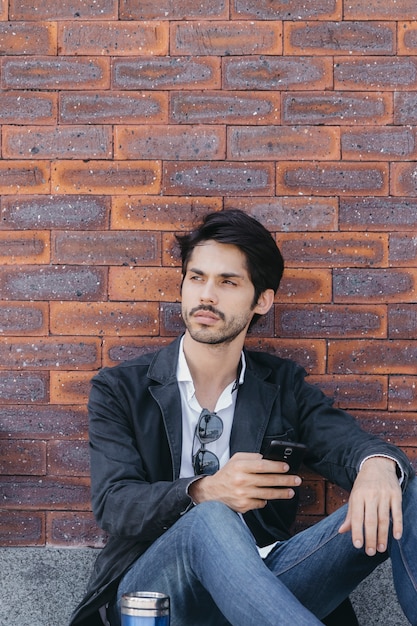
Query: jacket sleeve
point(337, 444)
point(133, 491)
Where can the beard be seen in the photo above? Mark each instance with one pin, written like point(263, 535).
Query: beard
point(226, 333)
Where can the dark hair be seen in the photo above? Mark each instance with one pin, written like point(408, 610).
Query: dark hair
point(265, 264)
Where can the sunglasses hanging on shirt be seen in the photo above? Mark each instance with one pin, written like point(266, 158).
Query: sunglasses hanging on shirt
point(209, 428)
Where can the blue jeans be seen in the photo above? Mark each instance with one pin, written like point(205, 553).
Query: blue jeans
point(209, 565)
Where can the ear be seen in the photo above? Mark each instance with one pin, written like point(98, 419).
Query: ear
point(265, 301)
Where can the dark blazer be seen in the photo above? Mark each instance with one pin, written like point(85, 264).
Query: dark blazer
point(135, 443)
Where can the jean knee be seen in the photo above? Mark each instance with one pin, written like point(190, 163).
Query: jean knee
point(213, 512)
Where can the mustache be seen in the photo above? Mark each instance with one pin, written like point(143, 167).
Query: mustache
point(208, 307)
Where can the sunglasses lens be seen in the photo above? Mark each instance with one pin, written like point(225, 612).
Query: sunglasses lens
point(210, 427)
point(205, 462)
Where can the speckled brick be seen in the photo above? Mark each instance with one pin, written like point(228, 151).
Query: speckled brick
point(52, 283)
point(174, 9)
point(28, 107)
point(44, 493)
point(22, 388)
point(337, 108)
point(374, 285)
point(402, 321)
point(377, 10)
point(57, 10)
point(24, 177)
point(71, 353)
point(330, 321)
point(170, 142)
point(19, 528)
point(116, 350)
point(398, 427)
point(166, 73)
point(328, 179)
point(405, 107)
point(113, 38)
point(280, 73)
point(64, 528)
point(41, 421)
point(24, 318)
point(309, 354)
point(386, 214)
point(220, 107)
point(254, 143)
point(383, 144)
point(351, 392)
point(55, 212)
point(70, 387)
point(305, 285)
point(375, 73)
point(28, 38)
point(113, 107)
point(22, 457)
point(404, 179)
point(55, 73)
point(61, 142)
point(226, 38)
point(153, 284)
point(402, 394)
point(68, 458)
point(402, 250)
point(282, 10)
point(384, 357)
point(105, 318)
point(24, 247)
point(107, 248)
point(350, 38)
point(407, 38)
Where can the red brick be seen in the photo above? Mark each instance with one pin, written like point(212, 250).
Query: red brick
point(61, 142)
point(330, 321)
point(170, 142)
point(55, 73)
point(172, 323)
point(402, 393)
point(42, 421)
point(153, 284)
point(170, 251)
point(306, 285)
point(218, 179)
point(160, 213)
point(24, 177)
point(104, 318)
point(45, 493)
point(57, 10)
point(402, 250)
point(70, 387)
point(404, 179)
point(113, 107)
point(107, 248)
point(166, 73)
point(23, 388)
point(4, 5)
point(24, 318)
point(289, 214)
point(312, 497)
point(52, 283)
point(61, 212)
point(221, 107)
point(226, 38)
point(24, 247)
point(349, 392)
point(335, 498)
point(380, 143)
point(329, 179)
point(282, 10)
point(113, 38)
point(323, 38)
point(395, 427)
point(383, 357)
point(309, 354)
point(377, 10)
point(280, 73)
point(334, 249)
point(285, 143)
point(74, 529)
point(117, 349)
point(405, 107)
point(407, 38)
point(386, 214)
point(174, 10)
point(22, 457)
point(50, 353)
point(68, 458)
point(28, 38)
point(18, 528)
point(374, 73)
point(341, 108)
point(28, 108)
point(99, 177)
point(402, 321)
point(374, 285)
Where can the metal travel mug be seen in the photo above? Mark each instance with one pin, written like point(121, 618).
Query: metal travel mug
point(145, 608)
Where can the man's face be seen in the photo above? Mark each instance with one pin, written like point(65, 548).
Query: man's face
point(217, 293)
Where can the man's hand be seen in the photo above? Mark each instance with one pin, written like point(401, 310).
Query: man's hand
point(246, 482)
point(376, 496)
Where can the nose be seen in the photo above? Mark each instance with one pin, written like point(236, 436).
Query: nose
point(208, 292)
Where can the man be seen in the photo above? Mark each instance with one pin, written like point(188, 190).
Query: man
point(180, 483)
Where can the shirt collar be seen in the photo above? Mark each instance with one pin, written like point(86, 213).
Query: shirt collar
point(183, 371)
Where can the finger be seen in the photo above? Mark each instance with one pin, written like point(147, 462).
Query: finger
point(397, 518)
point(371, 526)
point(383, 528)
point(357, 516)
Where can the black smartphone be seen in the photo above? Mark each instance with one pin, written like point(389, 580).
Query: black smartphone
point(287, 451)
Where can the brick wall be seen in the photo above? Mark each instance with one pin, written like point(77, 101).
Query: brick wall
point(122, 122)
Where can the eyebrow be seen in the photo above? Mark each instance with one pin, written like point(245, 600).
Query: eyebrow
point(195, 270)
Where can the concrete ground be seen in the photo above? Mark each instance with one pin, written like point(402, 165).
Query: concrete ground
point(41, 587)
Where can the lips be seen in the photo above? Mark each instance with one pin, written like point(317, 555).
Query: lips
point(205, 317)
